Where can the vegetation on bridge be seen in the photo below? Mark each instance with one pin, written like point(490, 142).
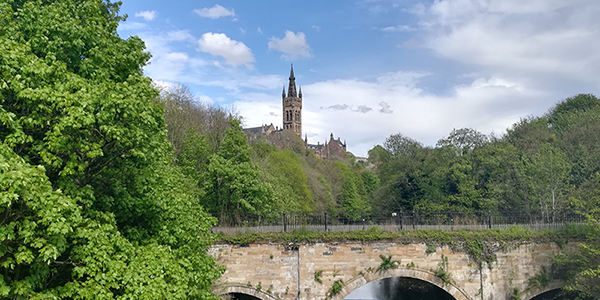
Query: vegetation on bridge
point(480, 244)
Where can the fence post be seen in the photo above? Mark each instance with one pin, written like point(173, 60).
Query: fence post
point(284, 223)
point(325, 221)
point(489, 219)
point(413, 219)
point(363, 221)
point(401, 221)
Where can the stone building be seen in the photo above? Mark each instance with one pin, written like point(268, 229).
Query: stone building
point(254, 133)
point(291, 104)
point(334, 148)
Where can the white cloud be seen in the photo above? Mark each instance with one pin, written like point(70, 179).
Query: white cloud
point(169, 63)
point(293, 45)
point(163, 84)
point(535, 37)
point(234, 83)
point(179, 36)
point(235, 53)
point(215, 12)
point(259, 30)
point(399, 28)
point(417, 9)
point(148, 15)
point(131, 25)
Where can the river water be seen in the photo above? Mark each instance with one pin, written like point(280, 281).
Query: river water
point(405, 288)
point(399, 288)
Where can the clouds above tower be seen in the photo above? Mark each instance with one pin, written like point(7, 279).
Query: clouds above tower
point(215, 12)
point(292, 45)
point(148, 15)
point(235, 53)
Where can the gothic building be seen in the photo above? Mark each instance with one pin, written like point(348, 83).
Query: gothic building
point(332, 149)
point(292, 106)
point(292, 120)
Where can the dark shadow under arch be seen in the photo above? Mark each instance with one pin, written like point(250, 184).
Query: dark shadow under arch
point(556, 294)
point(423, 275)
point(400, 288)
point(529, 293)
point(247, 292)
point(240, 296)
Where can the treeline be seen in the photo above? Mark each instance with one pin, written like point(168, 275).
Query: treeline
point(268, 174)
point(541, 163)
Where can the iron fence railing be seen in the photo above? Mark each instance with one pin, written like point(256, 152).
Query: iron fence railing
point(394, 220)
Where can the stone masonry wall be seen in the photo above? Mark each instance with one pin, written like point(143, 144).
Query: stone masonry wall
point(276, 268)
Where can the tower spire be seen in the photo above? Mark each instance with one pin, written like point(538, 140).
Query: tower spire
point(292, 106)
point(292, 85)
point(300, 92)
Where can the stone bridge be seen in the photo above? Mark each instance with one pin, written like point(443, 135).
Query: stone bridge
point(273, 271)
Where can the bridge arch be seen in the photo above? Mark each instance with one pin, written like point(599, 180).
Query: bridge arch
point(530, 293)
point(426, 276)
point(242, 289)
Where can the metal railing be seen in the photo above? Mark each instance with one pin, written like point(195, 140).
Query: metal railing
point(394, 220)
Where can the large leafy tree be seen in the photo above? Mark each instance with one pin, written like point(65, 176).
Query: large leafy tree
point(233, 183)
point(463, 140)
point(94, 208)
point(291, 181)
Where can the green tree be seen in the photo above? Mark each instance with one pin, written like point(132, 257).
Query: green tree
point(354, 196)
point(185, 114)
point(89, 153)
point(400, 145)
point(233, 183)
point(285, 167)
point(193, 159)
point(548, 173)
point(567, 113)
point(581, 266)
point(463, 140)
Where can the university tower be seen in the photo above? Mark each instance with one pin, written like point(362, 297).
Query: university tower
point(292, 106)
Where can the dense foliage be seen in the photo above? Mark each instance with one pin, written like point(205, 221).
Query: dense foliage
point(541, 163)
point(91, 205)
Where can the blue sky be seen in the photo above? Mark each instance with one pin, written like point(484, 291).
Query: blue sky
point(372, 68)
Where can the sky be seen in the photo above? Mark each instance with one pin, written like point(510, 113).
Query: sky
point(372, 68)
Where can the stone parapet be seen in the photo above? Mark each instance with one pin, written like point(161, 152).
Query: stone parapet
point(285, 273)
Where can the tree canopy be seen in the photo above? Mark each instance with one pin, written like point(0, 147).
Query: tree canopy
point(94, 208)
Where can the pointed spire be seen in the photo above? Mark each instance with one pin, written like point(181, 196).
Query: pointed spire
point(300, 93)
point(283, 93)
point(305, 138)
point(292, 85)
